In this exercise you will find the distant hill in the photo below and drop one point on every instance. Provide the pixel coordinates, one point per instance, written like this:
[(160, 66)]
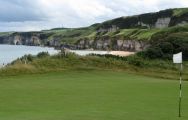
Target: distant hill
[(161, 19), (131, 33)]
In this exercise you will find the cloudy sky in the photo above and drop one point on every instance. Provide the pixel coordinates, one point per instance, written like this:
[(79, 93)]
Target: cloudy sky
[(30, 15)]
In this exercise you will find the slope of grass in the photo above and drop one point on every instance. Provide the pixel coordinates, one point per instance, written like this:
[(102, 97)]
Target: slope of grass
[(72, 36), (168, 31), (180, 11), (144, 34), (90, 95), (126, 32)]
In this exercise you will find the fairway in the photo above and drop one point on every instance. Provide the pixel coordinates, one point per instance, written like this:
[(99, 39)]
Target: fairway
[(92, 95)]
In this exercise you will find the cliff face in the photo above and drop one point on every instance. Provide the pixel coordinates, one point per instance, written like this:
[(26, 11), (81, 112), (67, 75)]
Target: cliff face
[(29, 38), (162, 22), (25, 39), (126, 45)]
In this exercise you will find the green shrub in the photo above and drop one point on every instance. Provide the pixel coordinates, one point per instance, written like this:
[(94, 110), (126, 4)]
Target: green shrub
[(43, 54), (166, 47), (30, 57), (154, 52), (136, 61)]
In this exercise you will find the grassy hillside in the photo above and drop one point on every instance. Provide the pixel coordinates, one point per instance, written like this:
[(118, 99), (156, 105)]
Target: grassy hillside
[(166, 41), (180, 11), (127, 28), (72, 36)]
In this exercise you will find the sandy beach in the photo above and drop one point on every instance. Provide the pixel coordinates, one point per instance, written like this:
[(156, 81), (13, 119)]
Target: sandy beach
[(117, 53), (121, 53)]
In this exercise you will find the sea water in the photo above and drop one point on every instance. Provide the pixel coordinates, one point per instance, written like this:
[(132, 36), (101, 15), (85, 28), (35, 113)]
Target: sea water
[(9, 53)]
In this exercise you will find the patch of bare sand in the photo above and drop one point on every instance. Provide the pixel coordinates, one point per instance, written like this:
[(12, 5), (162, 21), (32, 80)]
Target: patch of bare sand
[(121, 53)]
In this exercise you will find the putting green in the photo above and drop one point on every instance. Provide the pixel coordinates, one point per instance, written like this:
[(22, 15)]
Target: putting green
[(90, 95)]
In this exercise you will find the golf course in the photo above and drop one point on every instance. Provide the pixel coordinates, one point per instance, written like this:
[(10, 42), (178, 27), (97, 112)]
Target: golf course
[(93, 60), (90, 95)]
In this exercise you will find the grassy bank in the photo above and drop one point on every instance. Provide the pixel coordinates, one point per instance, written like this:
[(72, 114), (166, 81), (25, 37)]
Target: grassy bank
[(132, 64)]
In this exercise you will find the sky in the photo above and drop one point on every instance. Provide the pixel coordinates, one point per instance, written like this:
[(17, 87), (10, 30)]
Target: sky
[(35, 15)]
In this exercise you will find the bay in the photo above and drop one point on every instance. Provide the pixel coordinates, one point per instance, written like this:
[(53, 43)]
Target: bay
[(9, 53)]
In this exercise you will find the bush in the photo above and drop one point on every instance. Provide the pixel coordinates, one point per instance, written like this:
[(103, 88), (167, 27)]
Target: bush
[(141, 54), (24, 59), (29, 58), (154, 53), (168, 42), (166, 47), (43, 54), (136, 61)]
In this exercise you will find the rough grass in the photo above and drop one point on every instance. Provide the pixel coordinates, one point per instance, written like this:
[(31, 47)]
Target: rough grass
[(90, 95), (133, 64)]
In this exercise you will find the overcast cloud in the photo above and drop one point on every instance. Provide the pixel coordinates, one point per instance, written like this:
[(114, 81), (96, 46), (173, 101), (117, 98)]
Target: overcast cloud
[(31, 15)]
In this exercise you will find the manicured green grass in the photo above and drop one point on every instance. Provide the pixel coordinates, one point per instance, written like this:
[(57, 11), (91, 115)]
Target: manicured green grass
[(90, 95)]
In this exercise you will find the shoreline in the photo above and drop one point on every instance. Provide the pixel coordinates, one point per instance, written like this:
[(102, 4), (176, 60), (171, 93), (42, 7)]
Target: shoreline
[(78, 52)]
